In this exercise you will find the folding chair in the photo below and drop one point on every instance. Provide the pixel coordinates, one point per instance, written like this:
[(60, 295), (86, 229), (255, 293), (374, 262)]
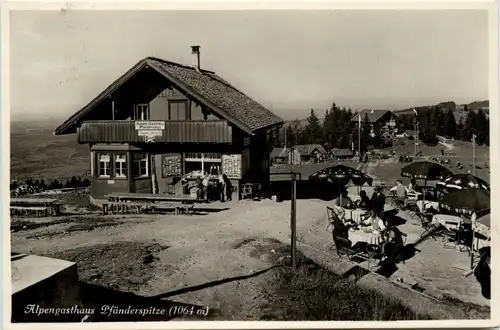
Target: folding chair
[(344, 247)]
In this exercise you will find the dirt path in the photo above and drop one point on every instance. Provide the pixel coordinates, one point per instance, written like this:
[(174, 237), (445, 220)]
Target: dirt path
[(200, 249)]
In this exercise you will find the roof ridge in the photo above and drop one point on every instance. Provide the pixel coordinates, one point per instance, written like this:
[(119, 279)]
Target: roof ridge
[(176, 64)]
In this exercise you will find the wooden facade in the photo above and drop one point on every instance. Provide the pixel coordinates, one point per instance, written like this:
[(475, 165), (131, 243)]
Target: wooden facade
[(124, 131), (161, 120)]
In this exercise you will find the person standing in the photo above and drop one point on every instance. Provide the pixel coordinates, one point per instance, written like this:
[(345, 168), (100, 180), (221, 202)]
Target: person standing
[(205, 188), (221, 187), (229, 187), (378, 200), (401, 192)]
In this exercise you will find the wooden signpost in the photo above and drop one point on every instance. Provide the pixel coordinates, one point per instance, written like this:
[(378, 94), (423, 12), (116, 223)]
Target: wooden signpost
[(293, 214)]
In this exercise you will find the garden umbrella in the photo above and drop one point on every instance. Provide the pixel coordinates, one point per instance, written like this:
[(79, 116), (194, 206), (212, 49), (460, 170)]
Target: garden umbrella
[(427, 171), (463, 181), (466, 201), (341, 175), (482, 223)]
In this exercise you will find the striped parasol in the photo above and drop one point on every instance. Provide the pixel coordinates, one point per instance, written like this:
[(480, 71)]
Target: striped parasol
[(462, 181), (342, 174)]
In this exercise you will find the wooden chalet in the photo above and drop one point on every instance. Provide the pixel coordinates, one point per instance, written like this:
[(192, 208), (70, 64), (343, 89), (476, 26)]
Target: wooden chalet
[(162, 120), (337, 153), (387, 120), (304, 153)]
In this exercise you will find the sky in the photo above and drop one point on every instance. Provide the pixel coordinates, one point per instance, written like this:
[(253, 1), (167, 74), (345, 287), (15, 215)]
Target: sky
[(289, 61)]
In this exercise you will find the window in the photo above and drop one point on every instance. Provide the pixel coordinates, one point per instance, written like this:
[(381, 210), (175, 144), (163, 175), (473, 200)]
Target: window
[(104, 165), (177, 110), (141, 112), (121, 165), (202, 161), (140, 164)]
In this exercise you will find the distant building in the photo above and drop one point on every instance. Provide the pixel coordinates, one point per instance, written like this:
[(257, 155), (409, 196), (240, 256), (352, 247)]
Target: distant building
[(337, 153), (279, 156), (309, 153), (407, 134), (386, 119)]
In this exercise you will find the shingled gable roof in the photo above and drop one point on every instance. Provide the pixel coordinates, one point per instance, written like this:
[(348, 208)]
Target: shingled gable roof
[(372, 117), (204, 86), (307, 149)]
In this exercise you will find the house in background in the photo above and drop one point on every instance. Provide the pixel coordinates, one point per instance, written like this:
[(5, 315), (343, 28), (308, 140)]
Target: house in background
[(279, 156), (337, 153), (162, 120), (385, 119), (307, 153)]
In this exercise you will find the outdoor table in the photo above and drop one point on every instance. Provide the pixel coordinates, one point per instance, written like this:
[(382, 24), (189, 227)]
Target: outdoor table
[(443, 218), (50, 203), (355, 215)]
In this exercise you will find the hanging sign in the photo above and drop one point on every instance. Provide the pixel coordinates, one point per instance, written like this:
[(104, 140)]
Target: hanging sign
[(149, 133), (149, 125)]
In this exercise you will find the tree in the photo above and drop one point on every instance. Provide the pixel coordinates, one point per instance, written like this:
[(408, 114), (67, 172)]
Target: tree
[(67, 184), (312, 130), (469, 126), (328, 129), (450, 125), (42, 184), (86, 182), (482, 127)]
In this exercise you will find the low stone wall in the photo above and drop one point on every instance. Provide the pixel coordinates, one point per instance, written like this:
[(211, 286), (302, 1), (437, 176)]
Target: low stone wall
[(41, 287)]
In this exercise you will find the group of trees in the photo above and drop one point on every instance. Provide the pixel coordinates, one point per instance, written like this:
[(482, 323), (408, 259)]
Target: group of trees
[(74, 182), (339, 131), (434, 121)]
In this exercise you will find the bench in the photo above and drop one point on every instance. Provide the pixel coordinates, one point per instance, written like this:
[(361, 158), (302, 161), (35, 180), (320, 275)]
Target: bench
[(38, 210), (124, 207), (181, 209)]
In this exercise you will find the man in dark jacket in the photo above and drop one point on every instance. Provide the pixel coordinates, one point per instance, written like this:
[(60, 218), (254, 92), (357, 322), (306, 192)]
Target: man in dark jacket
[(378, 201)]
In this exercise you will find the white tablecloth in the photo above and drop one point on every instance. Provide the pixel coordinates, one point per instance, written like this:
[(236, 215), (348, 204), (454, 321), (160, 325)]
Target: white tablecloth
[(454, 221), (355, 215), (428, 205)]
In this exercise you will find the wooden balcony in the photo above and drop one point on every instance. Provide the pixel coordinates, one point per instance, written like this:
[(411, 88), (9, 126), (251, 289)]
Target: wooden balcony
[(129, 131)]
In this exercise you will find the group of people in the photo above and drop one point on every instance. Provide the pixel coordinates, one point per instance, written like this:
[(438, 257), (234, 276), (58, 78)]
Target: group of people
[(376, 202), (384, 233), (219, 188)]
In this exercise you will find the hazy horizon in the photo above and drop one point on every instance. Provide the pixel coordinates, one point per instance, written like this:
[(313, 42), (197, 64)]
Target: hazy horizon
[(359, 59)]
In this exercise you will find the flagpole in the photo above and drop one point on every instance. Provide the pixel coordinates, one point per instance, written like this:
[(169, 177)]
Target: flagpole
[(474, 154)]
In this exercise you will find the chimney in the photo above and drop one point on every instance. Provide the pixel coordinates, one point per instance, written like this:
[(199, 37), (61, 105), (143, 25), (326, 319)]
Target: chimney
[(195, 54)]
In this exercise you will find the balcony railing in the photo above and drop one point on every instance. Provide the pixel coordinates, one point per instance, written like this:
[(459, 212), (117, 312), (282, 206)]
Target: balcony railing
[(129, 131)]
